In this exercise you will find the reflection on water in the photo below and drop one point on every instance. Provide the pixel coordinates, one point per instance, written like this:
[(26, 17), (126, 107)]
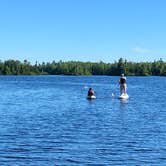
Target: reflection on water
[(124, 101)]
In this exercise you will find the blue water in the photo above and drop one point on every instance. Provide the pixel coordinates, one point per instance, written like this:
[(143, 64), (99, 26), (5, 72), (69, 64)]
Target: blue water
[(47, 120)]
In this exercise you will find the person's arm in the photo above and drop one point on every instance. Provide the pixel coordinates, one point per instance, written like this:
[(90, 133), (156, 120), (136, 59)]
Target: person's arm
[(119, 81)]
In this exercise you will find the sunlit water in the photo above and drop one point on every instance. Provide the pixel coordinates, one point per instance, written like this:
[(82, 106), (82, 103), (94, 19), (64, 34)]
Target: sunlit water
[(47, 120)]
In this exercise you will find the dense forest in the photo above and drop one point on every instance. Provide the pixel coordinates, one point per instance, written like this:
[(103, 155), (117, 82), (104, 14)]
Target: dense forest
[(15, 67)]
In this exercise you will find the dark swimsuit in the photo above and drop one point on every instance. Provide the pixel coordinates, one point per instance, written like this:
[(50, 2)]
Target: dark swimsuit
[(122, 80), (90, 93)]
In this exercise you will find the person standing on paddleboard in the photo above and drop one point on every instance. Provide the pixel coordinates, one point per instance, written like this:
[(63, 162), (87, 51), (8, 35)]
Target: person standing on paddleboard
[(123, 85)]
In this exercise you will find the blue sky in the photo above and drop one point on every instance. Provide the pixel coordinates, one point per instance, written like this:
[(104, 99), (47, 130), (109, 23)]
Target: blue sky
[(84, 30)]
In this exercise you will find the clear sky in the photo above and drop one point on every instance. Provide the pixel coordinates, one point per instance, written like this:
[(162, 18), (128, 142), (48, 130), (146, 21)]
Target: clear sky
[(84, 30)]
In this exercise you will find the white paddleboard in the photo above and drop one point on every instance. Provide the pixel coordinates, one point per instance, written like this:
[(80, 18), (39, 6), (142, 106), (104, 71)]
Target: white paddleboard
[(124, 96), (91, 97)]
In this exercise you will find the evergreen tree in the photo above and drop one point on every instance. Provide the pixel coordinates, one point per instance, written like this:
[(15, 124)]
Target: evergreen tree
[(15, 67)]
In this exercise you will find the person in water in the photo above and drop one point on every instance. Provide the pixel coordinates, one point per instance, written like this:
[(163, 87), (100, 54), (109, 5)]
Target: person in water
[(123, 85), (91, 92)]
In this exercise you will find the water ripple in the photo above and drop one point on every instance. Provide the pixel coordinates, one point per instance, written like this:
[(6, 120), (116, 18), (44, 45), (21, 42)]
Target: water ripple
[(48, 121)]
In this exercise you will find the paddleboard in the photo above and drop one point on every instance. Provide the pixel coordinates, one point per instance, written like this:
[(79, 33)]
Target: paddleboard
[(124, 96), (91, 97)]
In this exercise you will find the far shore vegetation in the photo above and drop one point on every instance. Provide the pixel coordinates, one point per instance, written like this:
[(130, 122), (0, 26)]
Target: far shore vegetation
[(16, 67)]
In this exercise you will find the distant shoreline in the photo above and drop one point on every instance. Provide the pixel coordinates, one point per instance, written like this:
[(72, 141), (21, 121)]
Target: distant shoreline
[(78, 68)]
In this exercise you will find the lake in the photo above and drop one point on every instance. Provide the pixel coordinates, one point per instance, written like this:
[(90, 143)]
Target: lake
[(47, 121)]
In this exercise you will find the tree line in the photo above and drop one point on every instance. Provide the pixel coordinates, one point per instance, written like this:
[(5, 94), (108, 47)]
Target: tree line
[(16, 67)]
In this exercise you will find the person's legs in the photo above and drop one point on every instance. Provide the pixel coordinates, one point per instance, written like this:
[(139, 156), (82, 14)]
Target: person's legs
[(125, 88), (121, 89)]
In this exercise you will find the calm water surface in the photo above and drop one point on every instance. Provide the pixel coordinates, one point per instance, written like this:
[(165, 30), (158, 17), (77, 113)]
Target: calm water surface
[(47, 120)]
